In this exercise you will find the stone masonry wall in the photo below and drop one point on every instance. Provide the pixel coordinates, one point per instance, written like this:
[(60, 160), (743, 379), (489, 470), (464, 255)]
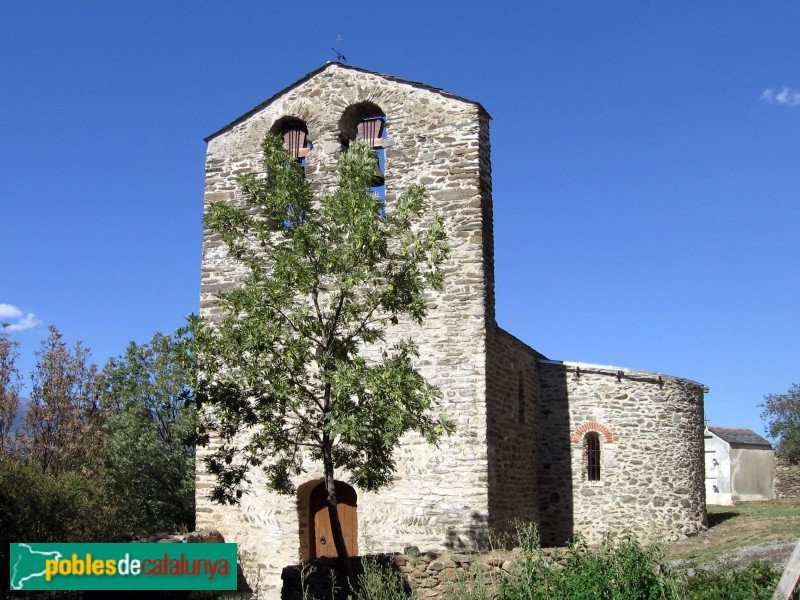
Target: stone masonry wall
[(430, 574), (787, 477), (439, 496), (554, 468), (652, 457), (512, 390)]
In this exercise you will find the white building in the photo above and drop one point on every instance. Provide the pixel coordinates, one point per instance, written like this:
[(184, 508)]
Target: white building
[(739, 466)]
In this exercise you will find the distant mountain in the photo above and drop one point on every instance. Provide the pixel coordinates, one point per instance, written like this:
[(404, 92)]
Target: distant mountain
[(22, 410)]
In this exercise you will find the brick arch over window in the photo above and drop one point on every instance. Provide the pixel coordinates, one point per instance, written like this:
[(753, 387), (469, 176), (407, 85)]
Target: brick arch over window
[(599, 428)]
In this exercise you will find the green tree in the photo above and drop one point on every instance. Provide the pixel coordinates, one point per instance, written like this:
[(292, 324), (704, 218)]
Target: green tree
[(9, 388), (782, 416), (281, 371), (149, 449), (61, 431)]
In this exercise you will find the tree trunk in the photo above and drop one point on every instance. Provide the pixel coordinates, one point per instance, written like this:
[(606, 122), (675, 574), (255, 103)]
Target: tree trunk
[(336, 526)]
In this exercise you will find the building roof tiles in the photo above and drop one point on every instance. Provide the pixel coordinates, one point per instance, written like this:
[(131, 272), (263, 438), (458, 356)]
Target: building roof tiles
[(739, 435)]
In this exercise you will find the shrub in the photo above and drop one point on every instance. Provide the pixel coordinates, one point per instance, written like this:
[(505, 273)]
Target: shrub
[(381, 582), (754, 582), (42, 507), (617, 570)]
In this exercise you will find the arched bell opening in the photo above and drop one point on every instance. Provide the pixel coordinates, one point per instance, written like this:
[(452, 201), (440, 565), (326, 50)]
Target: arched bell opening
[(367, 121), (294, 133)]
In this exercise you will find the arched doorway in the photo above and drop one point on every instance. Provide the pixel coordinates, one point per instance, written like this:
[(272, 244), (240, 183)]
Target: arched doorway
[(319, 523)]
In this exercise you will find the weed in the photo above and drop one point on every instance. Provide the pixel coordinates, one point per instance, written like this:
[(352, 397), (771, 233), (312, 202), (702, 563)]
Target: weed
[(526, 536), (754, 582), (469, 586), (381, 582), (616, 571), (305, 572)]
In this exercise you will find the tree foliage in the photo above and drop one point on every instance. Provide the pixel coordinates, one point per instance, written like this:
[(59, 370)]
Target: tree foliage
[(782, 416), (100, 459), (44, 507), (297, 367), (9, 389), (149, 449), (61, 430)]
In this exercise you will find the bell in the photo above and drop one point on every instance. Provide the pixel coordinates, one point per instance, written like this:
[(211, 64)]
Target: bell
[(294, 139), (370, 130), (377, 177)]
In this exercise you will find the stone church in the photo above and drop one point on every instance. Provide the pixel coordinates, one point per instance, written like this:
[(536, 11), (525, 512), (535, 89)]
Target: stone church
[(575, 448)]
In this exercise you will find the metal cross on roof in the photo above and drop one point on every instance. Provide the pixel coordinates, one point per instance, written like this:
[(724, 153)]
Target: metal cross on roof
[(339, 56)]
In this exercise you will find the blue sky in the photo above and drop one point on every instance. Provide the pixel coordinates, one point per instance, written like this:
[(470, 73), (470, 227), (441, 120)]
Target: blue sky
[(646, 165)]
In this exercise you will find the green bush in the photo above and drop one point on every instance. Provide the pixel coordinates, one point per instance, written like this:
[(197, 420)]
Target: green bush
[(754, 582), (41, 507), (615, 571)]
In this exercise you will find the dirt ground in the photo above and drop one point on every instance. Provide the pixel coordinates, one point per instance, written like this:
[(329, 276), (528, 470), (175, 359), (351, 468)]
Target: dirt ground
[(743, 533)]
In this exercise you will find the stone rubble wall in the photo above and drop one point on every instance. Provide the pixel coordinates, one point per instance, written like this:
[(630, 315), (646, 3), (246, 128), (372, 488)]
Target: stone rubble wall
[(431, 574), (512, 413), (787, 477), (652, 454), (439, 494)]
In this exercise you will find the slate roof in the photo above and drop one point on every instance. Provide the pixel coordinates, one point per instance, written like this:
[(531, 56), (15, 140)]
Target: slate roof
[(737, 435), (329, 64)]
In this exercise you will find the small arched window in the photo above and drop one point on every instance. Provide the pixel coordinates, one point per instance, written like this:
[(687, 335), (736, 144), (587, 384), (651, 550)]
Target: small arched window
[(591, 449)]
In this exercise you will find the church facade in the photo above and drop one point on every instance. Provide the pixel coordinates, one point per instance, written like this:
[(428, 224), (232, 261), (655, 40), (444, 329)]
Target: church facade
[(575, 448)]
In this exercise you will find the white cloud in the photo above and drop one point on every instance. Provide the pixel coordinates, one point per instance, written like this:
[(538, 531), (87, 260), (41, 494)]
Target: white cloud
[(16, 319), (785, 96), (26, 322), (9, 312)]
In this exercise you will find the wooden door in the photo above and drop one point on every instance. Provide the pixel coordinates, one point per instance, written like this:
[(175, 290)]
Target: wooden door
[(321, 542)]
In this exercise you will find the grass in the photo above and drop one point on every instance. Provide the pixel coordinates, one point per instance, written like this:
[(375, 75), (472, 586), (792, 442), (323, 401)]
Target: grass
[(746, 524)]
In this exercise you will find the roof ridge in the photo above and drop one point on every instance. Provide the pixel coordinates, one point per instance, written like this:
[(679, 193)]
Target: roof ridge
[(738, 435), (328, 65)]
